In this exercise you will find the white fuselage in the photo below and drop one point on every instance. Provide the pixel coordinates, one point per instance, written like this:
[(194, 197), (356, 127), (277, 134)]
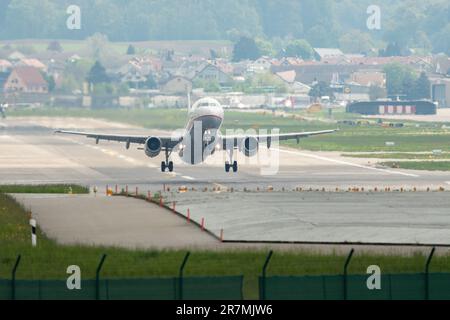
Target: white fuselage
[(202, 132)]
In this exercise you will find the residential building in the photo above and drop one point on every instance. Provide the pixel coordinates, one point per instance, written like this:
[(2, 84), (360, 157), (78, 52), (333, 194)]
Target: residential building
[(321, 54), (214, 72), (177, 85), (26, 80)]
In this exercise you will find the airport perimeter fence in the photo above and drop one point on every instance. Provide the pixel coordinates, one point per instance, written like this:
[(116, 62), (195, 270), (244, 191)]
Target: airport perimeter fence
[(192, 288), (418, 286), (354, 287), (170, 288)]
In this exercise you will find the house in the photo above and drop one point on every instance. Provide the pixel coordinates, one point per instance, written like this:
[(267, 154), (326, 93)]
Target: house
[(440, 90), (213, 72), (26, 80), (16, 56), (288, 62), (261, 65), (289, 77), (5, 66), (326, 53), (369, 78), (177, 85), (441, 64), (133, 74), (35, 63)]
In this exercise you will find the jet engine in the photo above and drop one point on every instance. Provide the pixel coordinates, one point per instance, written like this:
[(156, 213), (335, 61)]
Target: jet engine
[(153, 147), (249, 146)]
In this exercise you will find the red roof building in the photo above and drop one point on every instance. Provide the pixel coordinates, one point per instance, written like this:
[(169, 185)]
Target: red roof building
[(26, 80)]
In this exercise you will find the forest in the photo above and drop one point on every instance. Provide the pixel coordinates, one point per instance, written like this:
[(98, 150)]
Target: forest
[(405, 24)]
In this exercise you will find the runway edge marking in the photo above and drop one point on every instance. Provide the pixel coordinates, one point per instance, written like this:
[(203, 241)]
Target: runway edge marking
[(349, 163)]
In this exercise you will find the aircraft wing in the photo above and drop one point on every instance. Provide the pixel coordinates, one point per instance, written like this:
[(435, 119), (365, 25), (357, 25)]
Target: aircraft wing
[(167, 142), (228, 140)]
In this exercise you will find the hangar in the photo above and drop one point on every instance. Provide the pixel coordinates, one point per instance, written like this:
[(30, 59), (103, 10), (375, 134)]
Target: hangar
[(393, 108)]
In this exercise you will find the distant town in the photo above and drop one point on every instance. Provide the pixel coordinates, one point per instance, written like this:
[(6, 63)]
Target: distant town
[(97, 73)]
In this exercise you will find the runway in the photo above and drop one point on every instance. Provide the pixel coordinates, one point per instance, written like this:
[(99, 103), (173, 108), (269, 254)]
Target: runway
[(32, 154)]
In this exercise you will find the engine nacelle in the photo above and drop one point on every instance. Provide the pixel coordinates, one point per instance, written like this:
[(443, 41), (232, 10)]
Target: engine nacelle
[(249, 146), (153, 147)]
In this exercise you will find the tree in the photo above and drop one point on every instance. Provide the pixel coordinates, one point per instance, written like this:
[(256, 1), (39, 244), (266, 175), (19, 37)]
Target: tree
[(393, 49), (356, 41), (55, 46), (422, 88), (376, 92), (50, 81), (265, 47), (131, 50), (97, 74), (246, 49), (98, 46), (400, 79), (299, 48), (321, 89)]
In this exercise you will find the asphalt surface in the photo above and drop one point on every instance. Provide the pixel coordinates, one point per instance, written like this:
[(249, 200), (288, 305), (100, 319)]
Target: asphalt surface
[(31, 153)]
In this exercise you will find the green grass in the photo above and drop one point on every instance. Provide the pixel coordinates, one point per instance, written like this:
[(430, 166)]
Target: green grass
[(45, 189), (50, 260), (420, 165), (414, 137), (401, 156)]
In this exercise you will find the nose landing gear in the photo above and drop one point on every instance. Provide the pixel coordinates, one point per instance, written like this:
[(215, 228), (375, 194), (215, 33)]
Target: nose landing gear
[(167, 166)]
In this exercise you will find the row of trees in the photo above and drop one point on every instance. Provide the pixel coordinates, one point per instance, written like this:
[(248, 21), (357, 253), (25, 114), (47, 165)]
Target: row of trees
[(327, 23), (404, 82), (250, 49)]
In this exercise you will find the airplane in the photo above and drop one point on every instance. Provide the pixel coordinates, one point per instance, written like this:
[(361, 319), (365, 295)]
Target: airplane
[(205, 119)]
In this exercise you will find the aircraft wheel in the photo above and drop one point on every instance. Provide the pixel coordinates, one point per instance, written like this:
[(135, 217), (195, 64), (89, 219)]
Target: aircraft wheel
[(163, 167), (170, 166), (227, 167), (235, 167)]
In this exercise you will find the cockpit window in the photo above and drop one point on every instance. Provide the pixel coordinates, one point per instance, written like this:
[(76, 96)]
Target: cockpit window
[(206, 103)]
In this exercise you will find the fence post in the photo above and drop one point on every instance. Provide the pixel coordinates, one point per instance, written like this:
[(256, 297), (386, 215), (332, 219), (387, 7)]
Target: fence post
[(347, 262), (180, 278), (97, 277), (427, 272), (264, 272), (13, 277)]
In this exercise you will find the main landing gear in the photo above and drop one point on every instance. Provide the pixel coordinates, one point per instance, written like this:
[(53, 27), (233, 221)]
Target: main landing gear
[(167, 165), (231, 164)]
